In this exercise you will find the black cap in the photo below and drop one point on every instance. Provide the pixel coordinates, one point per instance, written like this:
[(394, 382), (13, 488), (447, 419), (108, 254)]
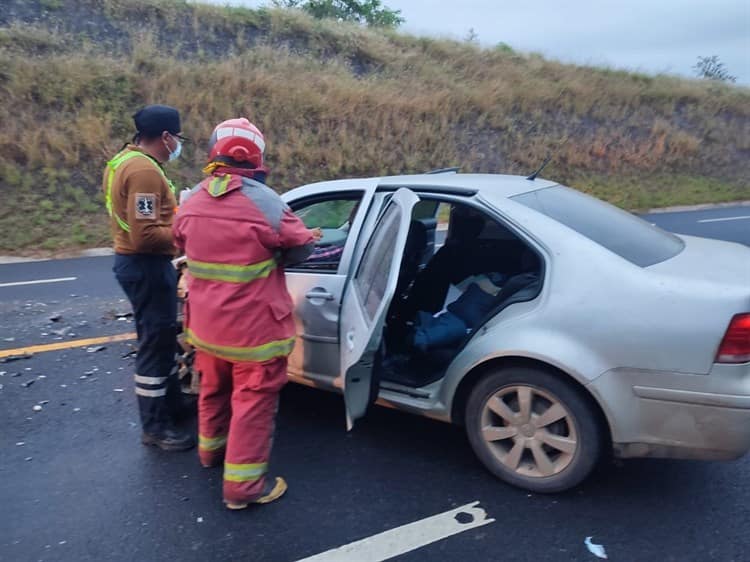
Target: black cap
[(152, 120)]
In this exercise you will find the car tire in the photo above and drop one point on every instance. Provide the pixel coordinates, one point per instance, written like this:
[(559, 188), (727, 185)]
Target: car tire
[(537, 422)]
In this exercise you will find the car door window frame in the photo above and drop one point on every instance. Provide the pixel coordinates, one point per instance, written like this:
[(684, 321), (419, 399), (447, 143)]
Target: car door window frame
[(352, 235)]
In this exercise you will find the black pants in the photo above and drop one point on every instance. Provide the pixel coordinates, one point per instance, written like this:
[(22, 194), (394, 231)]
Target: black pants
[(150, 283)]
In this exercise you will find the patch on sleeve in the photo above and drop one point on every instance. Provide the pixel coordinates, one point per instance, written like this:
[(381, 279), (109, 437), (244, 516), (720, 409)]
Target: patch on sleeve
[(145, 206)]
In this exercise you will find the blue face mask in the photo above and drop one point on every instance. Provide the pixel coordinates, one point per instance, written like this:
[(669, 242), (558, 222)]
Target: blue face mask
[(175, 154)]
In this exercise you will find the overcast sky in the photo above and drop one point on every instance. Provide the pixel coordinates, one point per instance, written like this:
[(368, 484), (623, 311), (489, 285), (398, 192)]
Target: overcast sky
[(648, 35)]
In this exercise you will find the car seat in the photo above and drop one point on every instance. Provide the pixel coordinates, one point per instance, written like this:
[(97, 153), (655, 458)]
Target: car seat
[(416, 244)]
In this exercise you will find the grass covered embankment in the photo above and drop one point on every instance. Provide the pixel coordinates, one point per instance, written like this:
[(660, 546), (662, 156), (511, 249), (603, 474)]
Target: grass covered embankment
[(334, 100)]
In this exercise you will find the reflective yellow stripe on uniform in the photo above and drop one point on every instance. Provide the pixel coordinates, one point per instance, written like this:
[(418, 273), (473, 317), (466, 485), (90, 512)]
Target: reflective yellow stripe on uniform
[(113, 165), (218, 185), (211, 443), (231, 273), (258, 354), (244, 472)]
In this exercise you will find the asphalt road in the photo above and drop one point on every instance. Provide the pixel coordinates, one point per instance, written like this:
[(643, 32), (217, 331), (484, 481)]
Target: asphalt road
[(75, 483)]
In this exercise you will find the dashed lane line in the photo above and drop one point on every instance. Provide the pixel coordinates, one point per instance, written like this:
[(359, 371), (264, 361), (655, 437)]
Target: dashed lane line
[(30, 350), (38, 281), (739, 218), (408, 537)]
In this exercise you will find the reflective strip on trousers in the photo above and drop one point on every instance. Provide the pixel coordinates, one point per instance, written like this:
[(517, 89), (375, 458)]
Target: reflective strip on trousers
[(212, 443), (140, 379), (113, 165), (244, 472), (155, 393), (257, 354), (231, 273)]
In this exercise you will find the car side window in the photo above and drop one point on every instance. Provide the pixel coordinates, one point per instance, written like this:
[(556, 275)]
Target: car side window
[(372, 276), (334, 218)]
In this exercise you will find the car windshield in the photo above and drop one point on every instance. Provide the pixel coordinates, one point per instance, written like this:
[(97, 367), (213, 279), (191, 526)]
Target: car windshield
[(620, 232)]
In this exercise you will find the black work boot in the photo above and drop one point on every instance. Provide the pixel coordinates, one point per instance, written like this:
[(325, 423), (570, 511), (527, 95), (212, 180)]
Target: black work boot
[(169, 439)]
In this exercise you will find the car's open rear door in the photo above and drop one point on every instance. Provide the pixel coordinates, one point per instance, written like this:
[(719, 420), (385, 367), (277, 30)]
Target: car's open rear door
[(367, 296)]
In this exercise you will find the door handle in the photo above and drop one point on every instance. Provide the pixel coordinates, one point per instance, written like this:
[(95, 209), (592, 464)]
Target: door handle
[(323, 295)]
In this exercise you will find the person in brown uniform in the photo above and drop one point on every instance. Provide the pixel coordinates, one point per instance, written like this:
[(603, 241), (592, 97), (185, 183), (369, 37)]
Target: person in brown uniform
[(141, 202)]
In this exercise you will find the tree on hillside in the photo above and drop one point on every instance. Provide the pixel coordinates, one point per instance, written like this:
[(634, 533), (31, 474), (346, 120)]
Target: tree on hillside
[(369, 12), (711, 68), (472, 36)]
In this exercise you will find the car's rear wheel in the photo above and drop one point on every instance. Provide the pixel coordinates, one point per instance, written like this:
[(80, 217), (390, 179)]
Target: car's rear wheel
[(533, 429)]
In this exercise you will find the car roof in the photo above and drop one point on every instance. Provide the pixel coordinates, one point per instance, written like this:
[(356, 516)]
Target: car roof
[(468, 184)]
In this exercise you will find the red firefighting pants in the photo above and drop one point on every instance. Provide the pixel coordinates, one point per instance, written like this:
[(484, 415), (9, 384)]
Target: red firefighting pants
[(236, 415)]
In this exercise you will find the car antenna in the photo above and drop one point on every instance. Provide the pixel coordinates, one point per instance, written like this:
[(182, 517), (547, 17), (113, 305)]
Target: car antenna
[(444, 171), (538, 171)]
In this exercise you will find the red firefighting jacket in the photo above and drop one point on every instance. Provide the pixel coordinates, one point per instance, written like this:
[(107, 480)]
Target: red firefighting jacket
[(237, 235)]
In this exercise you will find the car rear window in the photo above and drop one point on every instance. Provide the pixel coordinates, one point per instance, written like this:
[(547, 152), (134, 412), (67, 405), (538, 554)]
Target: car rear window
[(619, 231)]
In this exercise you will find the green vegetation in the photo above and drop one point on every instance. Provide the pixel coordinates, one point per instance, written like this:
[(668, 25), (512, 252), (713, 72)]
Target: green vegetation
[(334, 100), (370, 12)]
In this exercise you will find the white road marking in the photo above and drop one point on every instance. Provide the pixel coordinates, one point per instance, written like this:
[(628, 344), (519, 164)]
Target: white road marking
[(38, 281), (408, 537), (740, 218)]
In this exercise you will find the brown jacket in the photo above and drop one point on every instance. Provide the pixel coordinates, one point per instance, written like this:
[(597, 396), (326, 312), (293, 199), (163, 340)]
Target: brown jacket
[(142, 198)]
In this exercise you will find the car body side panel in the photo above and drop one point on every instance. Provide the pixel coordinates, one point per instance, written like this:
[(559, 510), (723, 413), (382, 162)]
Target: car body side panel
[(316, 355), (675, 415), (316, 350)]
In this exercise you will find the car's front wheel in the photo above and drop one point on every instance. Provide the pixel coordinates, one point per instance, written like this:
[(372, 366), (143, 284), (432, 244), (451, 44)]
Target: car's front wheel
[(533, 429)]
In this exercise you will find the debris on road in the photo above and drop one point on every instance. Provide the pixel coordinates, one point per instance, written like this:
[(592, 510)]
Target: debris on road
[(37, 408), (16, 375), (27, 459), (200, 520), (1, 386), (28, 383), (62, 331), (119, 389), (595, 549), (20, 443), (15, 358), (55, 318), (95, 349), (9, 339), (43, 402), (76, 409)]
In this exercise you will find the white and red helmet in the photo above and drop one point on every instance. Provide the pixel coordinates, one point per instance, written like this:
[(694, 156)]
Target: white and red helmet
[(239, 140)]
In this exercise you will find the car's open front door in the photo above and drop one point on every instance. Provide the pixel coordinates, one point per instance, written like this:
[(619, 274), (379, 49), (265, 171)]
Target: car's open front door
[(367, 296)]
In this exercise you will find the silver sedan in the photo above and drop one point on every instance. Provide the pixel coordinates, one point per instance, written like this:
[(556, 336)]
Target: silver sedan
[(555, 327)]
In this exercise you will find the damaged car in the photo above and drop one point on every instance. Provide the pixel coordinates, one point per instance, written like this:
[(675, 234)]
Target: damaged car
[(554, 327)]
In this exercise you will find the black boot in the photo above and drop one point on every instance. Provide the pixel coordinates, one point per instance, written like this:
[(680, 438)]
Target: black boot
[(169, 439)]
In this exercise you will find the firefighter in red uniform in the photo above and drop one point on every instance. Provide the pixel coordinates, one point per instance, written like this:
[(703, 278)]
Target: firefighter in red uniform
[(237, 235)]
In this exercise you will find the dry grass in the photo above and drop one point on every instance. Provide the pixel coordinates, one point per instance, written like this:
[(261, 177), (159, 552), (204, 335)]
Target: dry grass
[(336, 100)]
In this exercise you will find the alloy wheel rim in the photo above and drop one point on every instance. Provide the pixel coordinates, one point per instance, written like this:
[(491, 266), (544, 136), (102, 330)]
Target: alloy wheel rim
[(529, 430)]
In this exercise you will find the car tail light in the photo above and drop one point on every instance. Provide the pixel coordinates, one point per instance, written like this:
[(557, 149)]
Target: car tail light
[(735, 347)]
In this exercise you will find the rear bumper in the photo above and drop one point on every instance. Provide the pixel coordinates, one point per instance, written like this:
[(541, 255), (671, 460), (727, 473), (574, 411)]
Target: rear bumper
[(672, 415)]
